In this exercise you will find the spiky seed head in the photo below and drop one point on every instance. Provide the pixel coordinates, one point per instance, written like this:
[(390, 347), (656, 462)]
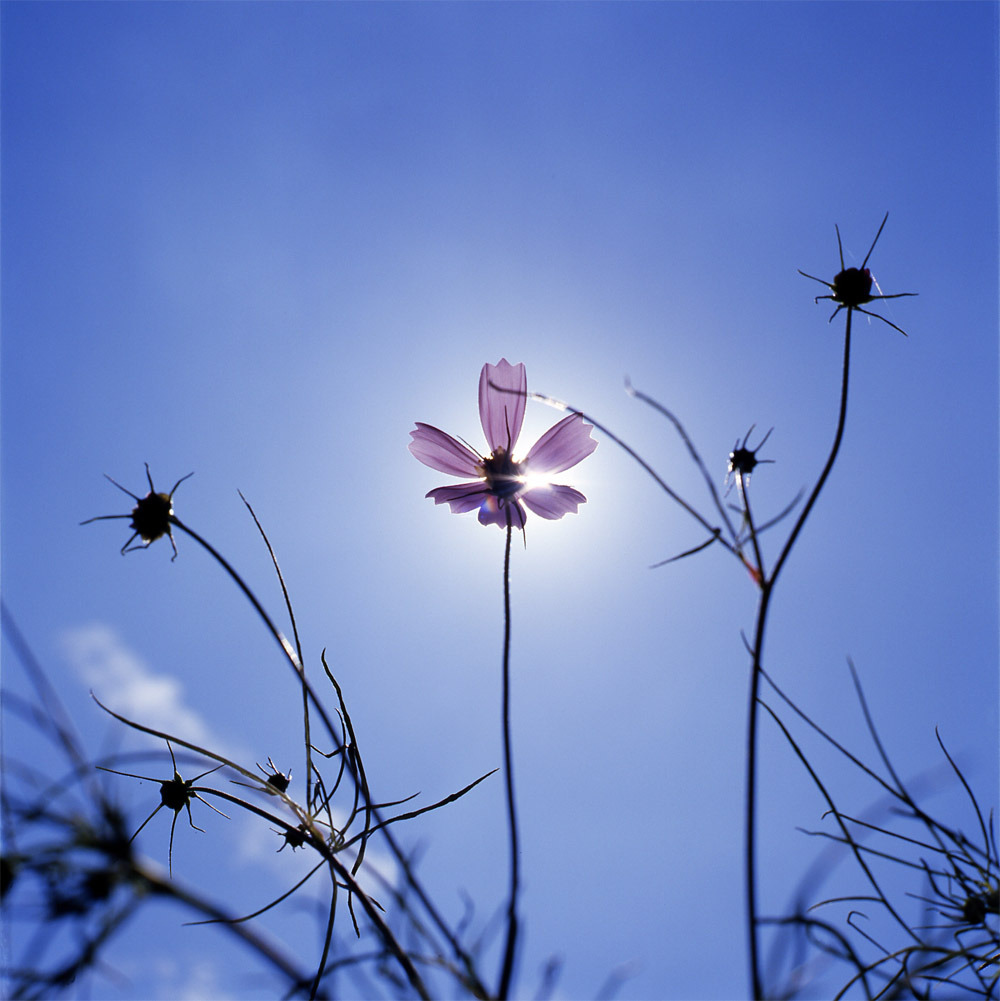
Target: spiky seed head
[(852, 287), (742, 460), (151, 516), (174, 793), (295, 837), (279, 781)]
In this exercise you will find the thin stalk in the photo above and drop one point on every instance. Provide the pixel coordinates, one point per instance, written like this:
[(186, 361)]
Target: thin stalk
[(253, 939), (663, 485), (296, 665), (344, 874), (841, 422), (692, 451), (766, 590), (742, 482), (307, 738), (286, 648), (508, 958)]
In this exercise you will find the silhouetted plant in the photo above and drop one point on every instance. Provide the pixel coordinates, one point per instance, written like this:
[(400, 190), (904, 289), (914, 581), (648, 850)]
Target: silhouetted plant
[(69, 852), (955, 941), (850, 289), (69, 869), (311, 824), (503, 487)]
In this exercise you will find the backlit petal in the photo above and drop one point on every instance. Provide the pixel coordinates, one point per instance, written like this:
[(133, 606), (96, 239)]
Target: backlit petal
[(440, 451), (461, 497), (503, 389), (496, 512), (553, 501), (562, 446)]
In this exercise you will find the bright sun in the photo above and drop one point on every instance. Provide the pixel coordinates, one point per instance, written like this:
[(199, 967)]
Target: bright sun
[(533, 481)]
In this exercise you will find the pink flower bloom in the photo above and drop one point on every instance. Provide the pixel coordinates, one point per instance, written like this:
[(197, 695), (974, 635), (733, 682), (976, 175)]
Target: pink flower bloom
[(503, 483)]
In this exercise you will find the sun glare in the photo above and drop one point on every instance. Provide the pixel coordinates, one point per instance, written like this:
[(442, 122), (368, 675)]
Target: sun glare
[(534, 481)]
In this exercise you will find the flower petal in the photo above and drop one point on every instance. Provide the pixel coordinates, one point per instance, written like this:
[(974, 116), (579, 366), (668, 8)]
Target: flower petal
[(553, 501), (562, 446), (495, 511), (440, 451), (503, 389), (461, 497)]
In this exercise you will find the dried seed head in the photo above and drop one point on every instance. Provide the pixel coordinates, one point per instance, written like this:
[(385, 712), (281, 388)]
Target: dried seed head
[(974, 910), (852, 287), (743, 460), (274, 776), (175, 793), (294, 837), (151, 516)]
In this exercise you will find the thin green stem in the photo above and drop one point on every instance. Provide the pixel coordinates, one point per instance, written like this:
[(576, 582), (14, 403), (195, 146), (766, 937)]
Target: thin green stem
[(766, 590), (508, 959)]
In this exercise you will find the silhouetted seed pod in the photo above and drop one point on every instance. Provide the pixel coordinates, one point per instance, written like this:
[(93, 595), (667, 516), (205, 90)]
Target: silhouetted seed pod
[(274, 777), (742, 460), (852, 287), (974, 910), (151, 515), (294, 837)]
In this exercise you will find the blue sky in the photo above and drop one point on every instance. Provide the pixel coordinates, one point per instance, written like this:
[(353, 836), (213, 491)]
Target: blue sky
[(258, 242)]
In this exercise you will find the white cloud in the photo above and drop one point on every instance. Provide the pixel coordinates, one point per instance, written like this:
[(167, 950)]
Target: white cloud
[(124, 682), (192, 981)]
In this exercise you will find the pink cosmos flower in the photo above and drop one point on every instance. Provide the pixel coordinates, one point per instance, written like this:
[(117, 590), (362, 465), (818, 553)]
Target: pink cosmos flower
[(501, 482)]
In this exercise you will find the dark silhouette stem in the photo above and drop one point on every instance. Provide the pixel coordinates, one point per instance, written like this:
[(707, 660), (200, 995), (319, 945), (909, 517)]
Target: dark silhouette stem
[(296, 665), (286, 648), (766, 589), (841, 422), (509, 949)]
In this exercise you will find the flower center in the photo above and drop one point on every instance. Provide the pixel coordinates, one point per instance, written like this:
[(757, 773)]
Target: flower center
[(503, 475)]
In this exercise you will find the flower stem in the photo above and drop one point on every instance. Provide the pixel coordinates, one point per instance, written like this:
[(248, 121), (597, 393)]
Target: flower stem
[(508, 958), (766, 590), (295, 661), (286, 648)]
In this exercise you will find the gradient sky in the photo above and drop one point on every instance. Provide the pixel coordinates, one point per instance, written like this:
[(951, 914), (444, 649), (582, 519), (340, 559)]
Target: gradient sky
[(258, 242)]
